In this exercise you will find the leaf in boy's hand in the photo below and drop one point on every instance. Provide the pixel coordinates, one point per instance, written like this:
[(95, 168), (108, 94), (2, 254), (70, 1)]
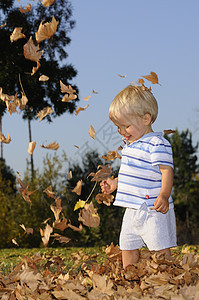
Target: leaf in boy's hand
[(89, 216), (31, 51), (153, 77), (103, 198), (46, 30), (92, 132), (78, 188), (79, 204)]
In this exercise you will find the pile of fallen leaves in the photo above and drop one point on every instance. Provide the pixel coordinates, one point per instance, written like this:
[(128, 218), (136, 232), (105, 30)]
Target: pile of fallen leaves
[(154, 277)]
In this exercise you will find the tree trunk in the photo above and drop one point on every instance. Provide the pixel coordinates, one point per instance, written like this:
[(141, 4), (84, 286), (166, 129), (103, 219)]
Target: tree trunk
[(31, 157), (1, 132)]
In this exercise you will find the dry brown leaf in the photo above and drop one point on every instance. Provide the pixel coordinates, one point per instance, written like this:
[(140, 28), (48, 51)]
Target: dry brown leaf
[(66, 88), (87, 98), (49, 192), (68, 97), (153, 77), (31, 51), (78, 188), (46, 30), (52, 146), (56, 211), (89, 216), (31, 147), (60, 239), (169, 131), (104, 198), (15, 242), (34, 69), (141, 81), (5, 140), (102, 174), (26, 9), (44, 112), (47, 3), (76, 146), (111, 155), (27, 230), (70, 175), (17, 34), (122, 76), (45, 234), (74, 228), (22, 102), (43, 78), (80, 109), (61, 224), (94, 92), (91, 132)]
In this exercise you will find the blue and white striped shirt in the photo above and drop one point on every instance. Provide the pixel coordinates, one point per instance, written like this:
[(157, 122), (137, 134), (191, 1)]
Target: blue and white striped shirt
[(139, 178)]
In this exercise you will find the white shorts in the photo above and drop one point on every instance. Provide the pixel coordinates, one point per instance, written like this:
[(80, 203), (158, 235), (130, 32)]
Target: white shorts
[(144, 227)]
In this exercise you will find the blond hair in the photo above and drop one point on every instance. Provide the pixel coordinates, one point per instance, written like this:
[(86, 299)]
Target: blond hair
[(133, 100)]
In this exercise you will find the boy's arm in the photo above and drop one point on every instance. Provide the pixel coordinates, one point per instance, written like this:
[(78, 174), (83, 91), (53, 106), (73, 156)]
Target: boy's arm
[(161, 204)]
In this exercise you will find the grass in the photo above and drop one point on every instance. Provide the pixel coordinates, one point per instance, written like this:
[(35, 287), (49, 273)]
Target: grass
[(72, 258)]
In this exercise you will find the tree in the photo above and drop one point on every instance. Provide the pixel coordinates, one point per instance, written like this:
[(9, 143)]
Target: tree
[(186, 186), (15, 70)]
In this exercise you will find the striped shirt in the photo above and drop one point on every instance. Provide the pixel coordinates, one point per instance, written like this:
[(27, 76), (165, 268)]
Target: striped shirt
[(139, 178)]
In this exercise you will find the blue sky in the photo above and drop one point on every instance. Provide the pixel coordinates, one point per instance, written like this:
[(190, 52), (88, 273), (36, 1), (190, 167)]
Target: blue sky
[(130, 38)]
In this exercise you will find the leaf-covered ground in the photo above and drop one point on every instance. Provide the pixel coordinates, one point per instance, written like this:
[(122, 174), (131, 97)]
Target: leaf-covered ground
[(97, 273)]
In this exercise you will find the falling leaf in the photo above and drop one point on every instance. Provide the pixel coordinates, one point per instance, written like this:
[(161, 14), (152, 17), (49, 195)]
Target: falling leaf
[(66, 88), (56, 211), (74, 228), (27, 230), (169, 131), (76, 146), (78, 188), (153, 77), (60, 239), (87, 98), (79, 204), (92, 132), (122, 76), (49, 192), (52, 146), (34, 69), (94, 92), (45, 234), (22, 102), (80, 109), (46, 30), (17, 34), (102, 174), (61, 224), (68, 97), (43, 78), (104, 198), (31, 51), (3, 25), (47, 3), (5, 140), (25, 10), (89, 216), (111, 155), (44, 112), (15, 242), (141, 81), (70, 175), (31, 147)]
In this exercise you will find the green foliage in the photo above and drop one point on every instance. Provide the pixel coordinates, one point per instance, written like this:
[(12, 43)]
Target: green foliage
[(186, 186)]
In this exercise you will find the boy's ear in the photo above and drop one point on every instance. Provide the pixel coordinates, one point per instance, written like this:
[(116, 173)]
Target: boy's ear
[(147, 119)]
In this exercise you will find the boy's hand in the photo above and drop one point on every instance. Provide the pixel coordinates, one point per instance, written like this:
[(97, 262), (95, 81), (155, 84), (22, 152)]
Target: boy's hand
[(161, 204), (109, 185)]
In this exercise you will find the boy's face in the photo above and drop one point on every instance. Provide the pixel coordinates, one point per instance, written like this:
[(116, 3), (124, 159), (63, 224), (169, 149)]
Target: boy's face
[(132, 127)]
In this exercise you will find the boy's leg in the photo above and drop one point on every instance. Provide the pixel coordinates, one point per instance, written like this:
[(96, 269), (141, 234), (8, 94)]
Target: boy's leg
[(130, 257)]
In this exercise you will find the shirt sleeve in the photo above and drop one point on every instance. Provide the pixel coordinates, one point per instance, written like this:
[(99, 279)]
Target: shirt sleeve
[(161, 153)]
